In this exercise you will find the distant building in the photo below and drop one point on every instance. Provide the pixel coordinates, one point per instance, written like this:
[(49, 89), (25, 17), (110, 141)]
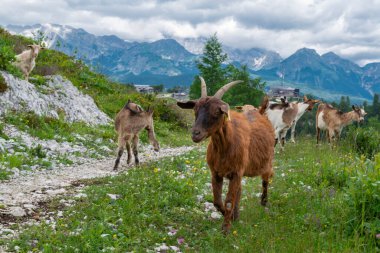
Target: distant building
[(275, 92), (180, 96), (144, 88)]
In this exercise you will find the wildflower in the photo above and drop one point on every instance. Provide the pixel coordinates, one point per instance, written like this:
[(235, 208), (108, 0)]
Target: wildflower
[(172, 232), (180, 240), (235, 232), (187, 162), (156, 170)]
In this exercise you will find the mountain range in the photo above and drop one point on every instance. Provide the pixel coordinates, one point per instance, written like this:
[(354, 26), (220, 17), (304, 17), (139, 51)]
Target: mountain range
[(173, 62)]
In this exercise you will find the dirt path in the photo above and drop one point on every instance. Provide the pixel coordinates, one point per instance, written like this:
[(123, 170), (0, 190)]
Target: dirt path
[(21, 196)]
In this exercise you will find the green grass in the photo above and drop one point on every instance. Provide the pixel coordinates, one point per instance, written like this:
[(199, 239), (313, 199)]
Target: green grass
[(320, 200), (100, 141)]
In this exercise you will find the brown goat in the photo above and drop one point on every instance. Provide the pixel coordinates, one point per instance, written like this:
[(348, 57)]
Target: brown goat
[(128, 124), (238, 147), (332, 120)]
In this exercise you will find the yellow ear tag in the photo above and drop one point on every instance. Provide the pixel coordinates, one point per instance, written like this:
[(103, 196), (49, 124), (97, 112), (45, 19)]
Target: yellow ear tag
[(228, 116)]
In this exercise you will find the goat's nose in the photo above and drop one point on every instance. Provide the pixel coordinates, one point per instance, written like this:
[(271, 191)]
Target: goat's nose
[(196, 132)]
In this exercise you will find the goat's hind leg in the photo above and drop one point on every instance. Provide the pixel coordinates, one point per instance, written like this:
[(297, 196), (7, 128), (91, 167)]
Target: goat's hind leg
[(121, 145), (265, 182)]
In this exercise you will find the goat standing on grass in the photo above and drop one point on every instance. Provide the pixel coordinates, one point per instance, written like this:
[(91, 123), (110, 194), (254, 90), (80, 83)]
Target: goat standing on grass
[(26, 61), (238, 147), (128, 124), (285, 115), (332, 120), (306, 105)]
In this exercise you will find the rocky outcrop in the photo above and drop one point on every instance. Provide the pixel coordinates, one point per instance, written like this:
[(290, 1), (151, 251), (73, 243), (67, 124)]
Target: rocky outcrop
[(58, 96)]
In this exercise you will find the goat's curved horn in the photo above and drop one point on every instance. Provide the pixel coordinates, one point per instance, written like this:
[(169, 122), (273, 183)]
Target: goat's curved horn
[(203, 87), (219, 94)]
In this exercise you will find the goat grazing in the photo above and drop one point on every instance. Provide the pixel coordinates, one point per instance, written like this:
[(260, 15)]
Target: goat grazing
[(332, 120), (26, 61), (238, 147), (128, 123)]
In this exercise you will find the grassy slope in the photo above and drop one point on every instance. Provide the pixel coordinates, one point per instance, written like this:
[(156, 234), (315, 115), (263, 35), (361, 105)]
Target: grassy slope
[(109, 96), (314, 207)]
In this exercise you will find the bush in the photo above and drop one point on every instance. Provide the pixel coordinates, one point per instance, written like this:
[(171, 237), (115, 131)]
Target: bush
[(363, 197), (365, 141), (3, 84), (7, 53)]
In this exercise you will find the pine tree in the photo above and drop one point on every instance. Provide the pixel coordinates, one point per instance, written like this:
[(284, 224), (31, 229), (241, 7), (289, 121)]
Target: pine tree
[(376, 106), (210, 68)]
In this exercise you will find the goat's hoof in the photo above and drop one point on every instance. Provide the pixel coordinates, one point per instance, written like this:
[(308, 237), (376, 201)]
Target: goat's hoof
[(226, 227), (264, 202), (114, 169)]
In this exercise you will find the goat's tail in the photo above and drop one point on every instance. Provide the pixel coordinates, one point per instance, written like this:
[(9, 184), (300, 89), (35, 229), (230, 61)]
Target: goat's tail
[(264, 105)]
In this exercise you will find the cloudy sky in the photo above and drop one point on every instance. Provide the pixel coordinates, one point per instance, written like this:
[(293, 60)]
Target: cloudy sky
[(350, 28)]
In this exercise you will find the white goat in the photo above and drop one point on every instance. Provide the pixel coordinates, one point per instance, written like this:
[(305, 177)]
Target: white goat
[(26, 61)]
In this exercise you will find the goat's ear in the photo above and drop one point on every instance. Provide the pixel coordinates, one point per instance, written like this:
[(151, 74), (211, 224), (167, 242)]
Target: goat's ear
[(31, 46), (150, 110), (187, 105), (225, 108), (305, 99), (355, 108)]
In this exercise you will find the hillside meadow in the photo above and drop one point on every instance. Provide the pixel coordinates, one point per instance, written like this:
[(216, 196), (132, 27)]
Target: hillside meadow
[(320, 200)]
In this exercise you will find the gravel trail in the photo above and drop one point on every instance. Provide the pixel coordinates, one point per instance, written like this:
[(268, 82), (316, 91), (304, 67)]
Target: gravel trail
[(22, 195)]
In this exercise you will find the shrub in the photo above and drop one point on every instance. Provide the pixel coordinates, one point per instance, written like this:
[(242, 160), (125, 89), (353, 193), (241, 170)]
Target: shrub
[(365, 141), (3, 84), (363, 197)]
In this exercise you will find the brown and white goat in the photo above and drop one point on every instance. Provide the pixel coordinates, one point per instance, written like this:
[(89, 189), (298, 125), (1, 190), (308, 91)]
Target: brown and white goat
[(306, 106), (238, 147), (26, 61), (128, 124), (285, 115), (333, 121)]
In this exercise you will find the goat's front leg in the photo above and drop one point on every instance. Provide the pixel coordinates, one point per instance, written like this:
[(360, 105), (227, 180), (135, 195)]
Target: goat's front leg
[(318, 134), (135, 141), (229, 207), (152, 138), (292, 139), (282, 136), (236, 213), (217, 187)]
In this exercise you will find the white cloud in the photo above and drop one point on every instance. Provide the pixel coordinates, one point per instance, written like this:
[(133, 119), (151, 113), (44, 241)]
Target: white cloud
[(350, 28)]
